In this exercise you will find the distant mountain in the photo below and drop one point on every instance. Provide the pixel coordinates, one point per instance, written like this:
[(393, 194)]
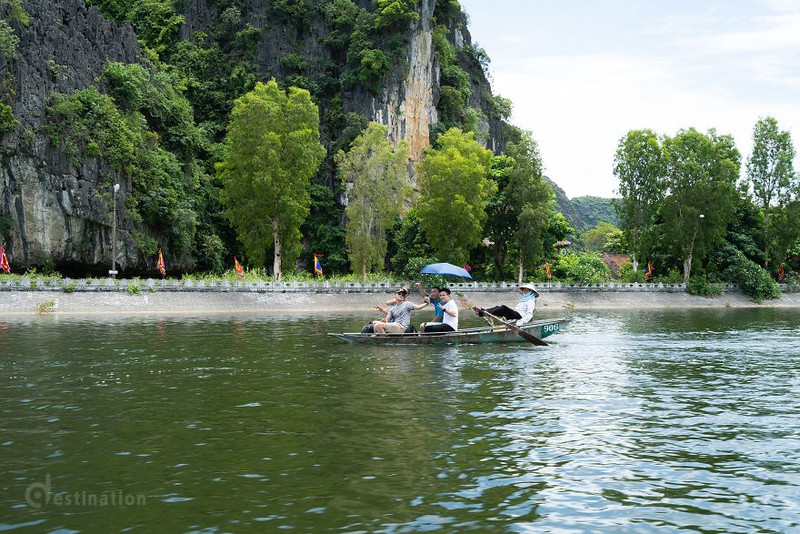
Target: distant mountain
[(565, 205), (583, 213), (593, 210)]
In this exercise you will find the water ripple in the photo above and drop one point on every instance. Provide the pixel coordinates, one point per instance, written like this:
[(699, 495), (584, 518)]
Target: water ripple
[(639, 421)]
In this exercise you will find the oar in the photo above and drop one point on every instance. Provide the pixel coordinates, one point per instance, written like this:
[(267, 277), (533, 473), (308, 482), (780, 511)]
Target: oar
[(524, 333), (467, 304)]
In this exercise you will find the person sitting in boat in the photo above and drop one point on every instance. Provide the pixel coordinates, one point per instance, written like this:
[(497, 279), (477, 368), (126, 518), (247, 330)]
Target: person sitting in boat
[(398, 319), (449, 314), (435, 299), (522, 312)]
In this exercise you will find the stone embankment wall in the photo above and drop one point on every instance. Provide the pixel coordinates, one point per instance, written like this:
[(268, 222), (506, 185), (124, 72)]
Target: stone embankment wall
[(267, 286), (109, 297)]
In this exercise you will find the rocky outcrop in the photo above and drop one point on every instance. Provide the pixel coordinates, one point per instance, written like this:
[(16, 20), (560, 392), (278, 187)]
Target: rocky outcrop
[(50, 210), (55, 211), (411, 111), (407, 101)]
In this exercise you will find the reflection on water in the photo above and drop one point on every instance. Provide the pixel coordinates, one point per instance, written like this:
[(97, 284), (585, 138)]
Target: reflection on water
[(634, 421)]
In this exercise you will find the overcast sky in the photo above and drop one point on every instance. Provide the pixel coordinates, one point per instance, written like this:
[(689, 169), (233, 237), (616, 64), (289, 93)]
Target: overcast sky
[(581, 74)]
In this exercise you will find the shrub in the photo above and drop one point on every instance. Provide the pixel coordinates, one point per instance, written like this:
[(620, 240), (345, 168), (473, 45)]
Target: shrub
[(700, 286), (7, 120), (8, 41), (753, 280), (374, 64), (793, 282), (628, 276), (45, 307), (293, 63), (582, 268)]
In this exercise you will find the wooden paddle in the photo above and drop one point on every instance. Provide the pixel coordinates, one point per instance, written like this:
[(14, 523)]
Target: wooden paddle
[(522, 333), (467, 304)]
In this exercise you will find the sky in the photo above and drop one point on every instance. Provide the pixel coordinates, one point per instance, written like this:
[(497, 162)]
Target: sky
[(581, 74)]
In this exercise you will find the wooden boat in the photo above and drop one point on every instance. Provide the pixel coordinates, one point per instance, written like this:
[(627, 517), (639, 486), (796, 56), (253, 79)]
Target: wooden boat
[(482, 334)]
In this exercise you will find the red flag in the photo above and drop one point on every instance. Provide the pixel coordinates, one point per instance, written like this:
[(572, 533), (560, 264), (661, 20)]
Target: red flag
[(547, 270), (3, 260), (317, 266), (648, 274), (160, 264), (238, 267), (781, 273), (467, 268)]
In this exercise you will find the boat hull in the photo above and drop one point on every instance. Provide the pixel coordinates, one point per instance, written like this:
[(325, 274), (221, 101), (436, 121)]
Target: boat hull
[(484, 334)]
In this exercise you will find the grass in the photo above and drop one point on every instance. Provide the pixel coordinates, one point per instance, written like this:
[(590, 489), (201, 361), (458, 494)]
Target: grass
[(45, 307)]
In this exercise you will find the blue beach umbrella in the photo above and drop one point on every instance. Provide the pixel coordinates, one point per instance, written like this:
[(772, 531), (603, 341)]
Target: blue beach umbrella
[(445, 269)]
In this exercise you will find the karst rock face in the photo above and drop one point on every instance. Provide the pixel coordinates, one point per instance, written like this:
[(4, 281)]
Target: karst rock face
[(51, 209), (60, 211)]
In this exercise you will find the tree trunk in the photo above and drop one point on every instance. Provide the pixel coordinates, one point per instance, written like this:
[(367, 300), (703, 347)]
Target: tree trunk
[(519, 280), (364, 271), (499, 260), (276, 262), (687, 268), (687, 261), (635, 264), (766, 237)]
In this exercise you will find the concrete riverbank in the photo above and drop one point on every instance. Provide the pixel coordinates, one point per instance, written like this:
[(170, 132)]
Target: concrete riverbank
[(193, 302)]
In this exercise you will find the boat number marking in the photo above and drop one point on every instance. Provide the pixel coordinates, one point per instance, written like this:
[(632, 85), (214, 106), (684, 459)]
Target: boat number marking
[(550, 328)]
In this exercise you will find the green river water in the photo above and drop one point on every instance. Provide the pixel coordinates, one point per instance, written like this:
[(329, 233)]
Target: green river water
[(634, 421)]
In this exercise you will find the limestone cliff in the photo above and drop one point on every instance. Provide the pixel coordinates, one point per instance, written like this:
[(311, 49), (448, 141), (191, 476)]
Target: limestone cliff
[(50, 210), (53, 211)]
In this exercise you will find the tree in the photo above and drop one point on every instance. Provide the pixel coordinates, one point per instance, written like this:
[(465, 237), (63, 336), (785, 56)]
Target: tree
[(376, 172), (558, 229), (602, 238), (454, 192), (640, 165), (409, 246), (272, 151), (770, 172), (529, 197), (501, 217), (701, 192)]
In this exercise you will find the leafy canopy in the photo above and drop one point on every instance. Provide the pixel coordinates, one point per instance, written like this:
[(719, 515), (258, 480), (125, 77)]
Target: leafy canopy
[(770, 173), (273, 150), (376, 172), (529, 197), (701, 192), (454, 193), (640, 164)]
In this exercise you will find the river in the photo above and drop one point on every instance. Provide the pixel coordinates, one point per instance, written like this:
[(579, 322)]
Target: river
[(635, 421)]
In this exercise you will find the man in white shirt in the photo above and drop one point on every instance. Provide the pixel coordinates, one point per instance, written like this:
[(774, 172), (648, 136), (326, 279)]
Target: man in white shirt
[(449, 314)]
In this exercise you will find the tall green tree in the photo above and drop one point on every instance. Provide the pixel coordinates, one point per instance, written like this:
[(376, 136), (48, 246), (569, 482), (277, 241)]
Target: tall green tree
[(502, 219), (640, 165), (272, 151), (701, 192), (376, 173), (770, 173), (454, 193), (529, 197)]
